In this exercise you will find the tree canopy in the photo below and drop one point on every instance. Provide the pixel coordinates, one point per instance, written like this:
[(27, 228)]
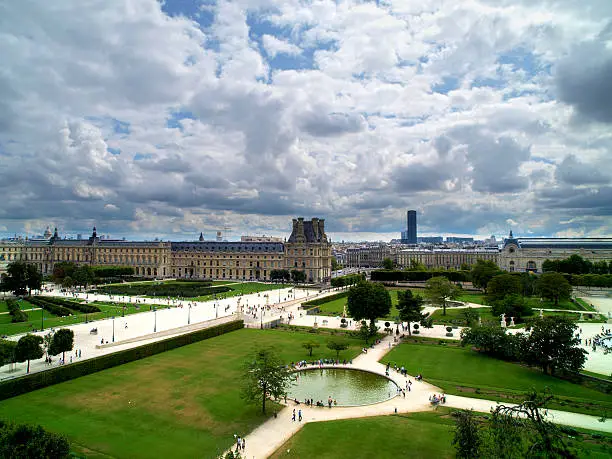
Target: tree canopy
[(502, 285), (368, 300), (21, 441), (337, 344), (21, 277), (553, 286), (62, 341), (482, 272), (512, 305), (29, 347), (388, 264), (265, 375), (552, 345), (409, 307), (439, 290), (7, 351)]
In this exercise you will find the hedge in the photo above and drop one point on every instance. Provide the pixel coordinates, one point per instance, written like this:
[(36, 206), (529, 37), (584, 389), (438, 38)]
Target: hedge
[(52, 308), (419, 276), (590, 280), (187, 290), (112, 271), (83, 307), (320, 301), (34, 381)]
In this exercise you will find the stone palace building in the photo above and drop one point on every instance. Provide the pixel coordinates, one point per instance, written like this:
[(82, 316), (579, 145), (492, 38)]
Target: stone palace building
[(307, 250)]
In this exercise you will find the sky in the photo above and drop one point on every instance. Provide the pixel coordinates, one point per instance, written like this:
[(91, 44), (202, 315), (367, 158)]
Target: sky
[(165, 119)]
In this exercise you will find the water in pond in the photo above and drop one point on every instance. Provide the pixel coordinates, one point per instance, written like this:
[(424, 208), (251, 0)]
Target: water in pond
[(347, 387)]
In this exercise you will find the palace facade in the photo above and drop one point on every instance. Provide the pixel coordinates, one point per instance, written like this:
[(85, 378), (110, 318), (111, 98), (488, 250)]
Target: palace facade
[(307, 250)]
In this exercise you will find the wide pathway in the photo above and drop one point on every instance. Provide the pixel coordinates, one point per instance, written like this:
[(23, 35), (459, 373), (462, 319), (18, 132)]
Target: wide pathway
[(270, 436)]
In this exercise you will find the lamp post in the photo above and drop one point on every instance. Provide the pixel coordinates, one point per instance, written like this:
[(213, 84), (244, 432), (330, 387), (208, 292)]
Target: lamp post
[(155, 323), (261, 319), (189, 315), (216, 310), (42, 315), (113, 329)]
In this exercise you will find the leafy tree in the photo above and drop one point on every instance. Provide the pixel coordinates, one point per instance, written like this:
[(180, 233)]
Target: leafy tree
[(7, 351), (467, 439), (28, 348), (502, 285), (512, 305), (337, 344), (364, 331), (482, 272), (470, 316), (439, 290), (493, 341), (600, 267), (309, 346), (388, 264), (335, 265), (553, 345), (298, 276), (368, 300), (62, 341), (16, 279), (416, 265), (83, 275), (61, 270), (265, 375), (575, 264), (67, 282), (34, 277), (550, 266), (464, 267), (553, 286), (409, 307), (25, 441)]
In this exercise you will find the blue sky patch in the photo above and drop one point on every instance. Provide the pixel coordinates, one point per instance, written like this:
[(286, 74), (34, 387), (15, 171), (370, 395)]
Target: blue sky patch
[(141, 156), (174, 120), (114, 151), (120, 127)]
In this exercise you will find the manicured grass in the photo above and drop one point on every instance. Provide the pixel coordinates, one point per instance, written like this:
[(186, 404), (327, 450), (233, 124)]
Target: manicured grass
[(420, 435), (23, 305), (415, 435), (461, 371), (586, 306), (336, 307), (472, 297), (181, 403), (246, 288)]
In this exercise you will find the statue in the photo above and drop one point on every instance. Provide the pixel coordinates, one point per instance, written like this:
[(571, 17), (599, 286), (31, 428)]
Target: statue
[(503, 320), (512, 321), (479, 321), (541, 313)]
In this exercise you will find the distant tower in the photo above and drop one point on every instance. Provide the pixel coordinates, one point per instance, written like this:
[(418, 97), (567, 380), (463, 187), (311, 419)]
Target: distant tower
[(201, 237), (411, 228), (219, 237)]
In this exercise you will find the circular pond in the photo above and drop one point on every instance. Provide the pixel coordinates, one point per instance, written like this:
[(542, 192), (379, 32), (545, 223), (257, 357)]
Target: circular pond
[(347, 387)]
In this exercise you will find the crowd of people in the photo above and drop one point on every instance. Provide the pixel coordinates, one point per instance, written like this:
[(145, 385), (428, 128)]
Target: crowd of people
[(603, 340)]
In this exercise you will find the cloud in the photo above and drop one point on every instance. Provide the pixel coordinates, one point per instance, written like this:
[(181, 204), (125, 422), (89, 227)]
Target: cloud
[(574, 172), (275, 46)]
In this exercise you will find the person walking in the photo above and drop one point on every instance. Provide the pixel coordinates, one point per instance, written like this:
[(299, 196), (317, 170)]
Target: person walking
[(293, 417), (243, 444), (300, 415)]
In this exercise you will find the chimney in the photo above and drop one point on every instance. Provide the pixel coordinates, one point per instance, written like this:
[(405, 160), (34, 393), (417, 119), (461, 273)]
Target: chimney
[(322, 228), (315, 228)]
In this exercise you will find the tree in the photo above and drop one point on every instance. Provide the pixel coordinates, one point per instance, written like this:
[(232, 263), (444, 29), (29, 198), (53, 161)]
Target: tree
[(33, 278), (364, 331), (409, 307), (550, 266), (439, 290), (67, 282), (265, 375), (388, 264), (61, 270), (298, 276), (502, 285), (28, 348), (7, 351), (334, 264), (83, 275), (470, 316), (493, 341), (553, 286), (368, 300), (62, 341), (512, 305), (600, 267), (553, 345), (482, 272), (337, 344), (20, 441), (467, 439), (21, 277), (310, 345)]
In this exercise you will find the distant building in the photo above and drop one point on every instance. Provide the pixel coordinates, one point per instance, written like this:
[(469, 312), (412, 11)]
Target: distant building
[(460, 240), (431, 239), (411, 229), (445, 258), (260, 239)]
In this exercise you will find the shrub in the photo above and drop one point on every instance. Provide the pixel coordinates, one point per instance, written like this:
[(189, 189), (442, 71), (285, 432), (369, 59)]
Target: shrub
[(34, 381), (82, 307), (418, 276), (19, 316), (51, 307), (449, 329), (320, 301), (416, 329), (187, 290)]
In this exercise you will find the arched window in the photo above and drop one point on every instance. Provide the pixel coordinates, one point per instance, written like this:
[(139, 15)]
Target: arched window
[(531, 266), (511, 266)]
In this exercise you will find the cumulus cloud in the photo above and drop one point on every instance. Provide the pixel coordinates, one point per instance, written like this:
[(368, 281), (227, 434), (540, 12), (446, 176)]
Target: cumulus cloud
[(149, 120)]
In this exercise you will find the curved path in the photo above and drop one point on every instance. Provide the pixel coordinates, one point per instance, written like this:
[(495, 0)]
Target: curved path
[(270, 436)]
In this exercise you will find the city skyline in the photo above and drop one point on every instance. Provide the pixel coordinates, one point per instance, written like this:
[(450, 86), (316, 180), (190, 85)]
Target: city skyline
[(164, 119)]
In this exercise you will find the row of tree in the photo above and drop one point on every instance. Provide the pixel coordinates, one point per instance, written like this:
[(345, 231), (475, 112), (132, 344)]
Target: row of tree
[(33, 347), (21, 278), (551, 345), (284, 275), (575, 264), (26, 441)]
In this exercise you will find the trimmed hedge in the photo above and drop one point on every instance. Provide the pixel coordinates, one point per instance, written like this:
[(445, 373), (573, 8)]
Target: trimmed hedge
[(186, 290), (83, 307), (17, 315), (419, 276), (349, 279), (60, 311), (320, 301), (112, 271), (34, 381)]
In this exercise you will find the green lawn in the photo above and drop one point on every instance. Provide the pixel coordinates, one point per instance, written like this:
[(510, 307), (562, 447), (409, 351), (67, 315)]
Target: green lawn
[(23, 305), (455, 316), (52, 321), (416, 435), (472, 297), (246, 288), (336, 307), (419, 435), (181, 403), (461, 371)]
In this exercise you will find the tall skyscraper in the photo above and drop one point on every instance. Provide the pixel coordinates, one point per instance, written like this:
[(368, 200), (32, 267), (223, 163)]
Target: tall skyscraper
[(411, 228)]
